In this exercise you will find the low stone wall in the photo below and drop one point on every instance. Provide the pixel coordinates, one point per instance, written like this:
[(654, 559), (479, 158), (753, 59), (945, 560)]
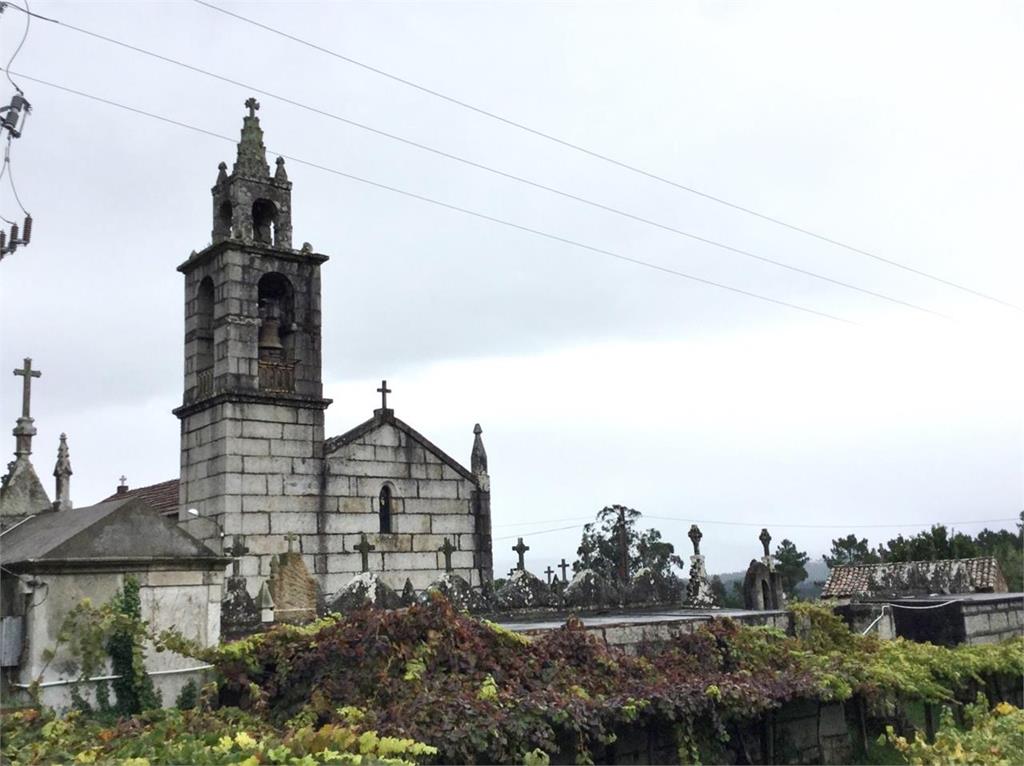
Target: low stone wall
[(801, 732), (630, 632), (987, 622)]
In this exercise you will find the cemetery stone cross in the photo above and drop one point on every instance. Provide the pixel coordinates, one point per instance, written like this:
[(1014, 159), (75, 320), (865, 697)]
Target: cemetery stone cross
[(521, 550), (563, 566), (364, 549), (695, 537), (236, 551), (765, 538), (511, 572), (549, 571), (447, 550), (27, 373), (252, 105)]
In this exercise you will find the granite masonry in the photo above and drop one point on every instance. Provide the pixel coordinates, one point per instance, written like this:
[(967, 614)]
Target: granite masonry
[(254, 461)]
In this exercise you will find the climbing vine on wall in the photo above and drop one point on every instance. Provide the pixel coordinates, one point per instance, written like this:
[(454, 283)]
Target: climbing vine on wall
[(479, 693)]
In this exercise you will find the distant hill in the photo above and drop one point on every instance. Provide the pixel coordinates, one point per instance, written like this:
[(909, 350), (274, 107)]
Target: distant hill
[(817, 571)]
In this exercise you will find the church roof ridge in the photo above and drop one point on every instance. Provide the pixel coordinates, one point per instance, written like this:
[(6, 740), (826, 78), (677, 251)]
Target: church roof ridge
[(387, 417)]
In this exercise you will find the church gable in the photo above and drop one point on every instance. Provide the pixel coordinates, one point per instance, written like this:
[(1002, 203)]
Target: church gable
[(408, 497)]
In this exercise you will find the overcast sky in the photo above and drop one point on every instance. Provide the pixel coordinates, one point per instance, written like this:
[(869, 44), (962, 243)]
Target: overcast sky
[(895, 128)]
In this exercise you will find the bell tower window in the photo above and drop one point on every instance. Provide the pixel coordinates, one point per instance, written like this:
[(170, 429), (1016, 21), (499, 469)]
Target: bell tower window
[(264, 221), (385, 510), (223, 222)]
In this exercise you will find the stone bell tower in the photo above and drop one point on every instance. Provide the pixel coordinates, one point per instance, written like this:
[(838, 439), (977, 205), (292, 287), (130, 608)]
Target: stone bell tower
[(252, 414)]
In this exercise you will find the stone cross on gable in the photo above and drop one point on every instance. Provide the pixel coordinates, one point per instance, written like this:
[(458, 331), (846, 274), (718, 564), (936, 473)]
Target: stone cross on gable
[(27, 373), (364, 549), (291, 537), (765, 539), (236, 551), (252, 105), (563, 566), (447, 550), (521, 550), (549, 571), (383, 391)]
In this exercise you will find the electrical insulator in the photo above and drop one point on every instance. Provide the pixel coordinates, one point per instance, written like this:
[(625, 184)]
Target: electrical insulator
[(3, 241), (14, 234), (27, 231)]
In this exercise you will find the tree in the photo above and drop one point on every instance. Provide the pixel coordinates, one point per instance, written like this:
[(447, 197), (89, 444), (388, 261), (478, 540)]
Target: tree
[(790, 566), (730, 598), (850, 550), (613, 532), (936, 543)]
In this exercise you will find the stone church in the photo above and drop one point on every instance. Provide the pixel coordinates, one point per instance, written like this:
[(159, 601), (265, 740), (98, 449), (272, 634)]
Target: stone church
[(254, 459)]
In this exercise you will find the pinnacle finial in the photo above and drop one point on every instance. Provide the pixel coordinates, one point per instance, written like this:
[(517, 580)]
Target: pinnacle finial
[(62, 473), (222, 172), (252, 154), (280, 174), (478, 458)]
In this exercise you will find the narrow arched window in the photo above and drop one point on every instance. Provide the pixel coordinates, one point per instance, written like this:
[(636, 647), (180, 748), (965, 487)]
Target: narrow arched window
[(385, 510), (203, 337)]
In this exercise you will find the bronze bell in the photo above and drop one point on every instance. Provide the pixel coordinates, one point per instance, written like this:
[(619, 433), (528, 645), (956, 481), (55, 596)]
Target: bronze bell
[(270, 338)]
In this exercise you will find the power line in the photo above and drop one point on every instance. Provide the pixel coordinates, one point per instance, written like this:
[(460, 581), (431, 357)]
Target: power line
[(610, 160), (456, 208), (28, 22), (773, 525), (828, 526), (495, 171)]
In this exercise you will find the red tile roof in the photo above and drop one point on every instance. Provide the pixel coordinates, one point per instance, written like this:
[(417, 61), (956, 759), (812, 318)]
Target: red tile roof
[(915, 578), (163, 496)]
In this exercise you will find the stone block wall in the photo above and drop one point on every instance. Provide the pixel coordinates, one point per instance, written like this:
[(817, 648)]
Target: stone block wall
[(431, 501), (253, 469), (987, 622)]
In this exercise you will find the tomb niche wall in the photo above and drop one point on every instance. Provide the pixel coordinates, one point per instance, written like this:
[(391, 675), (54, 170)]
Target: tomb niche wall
[(431, 498)]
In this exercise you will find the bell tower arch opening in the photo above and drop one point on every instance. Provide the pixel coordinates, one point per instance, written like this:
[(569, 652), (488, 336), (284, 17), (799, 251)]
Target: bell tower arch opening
[(264, 222)]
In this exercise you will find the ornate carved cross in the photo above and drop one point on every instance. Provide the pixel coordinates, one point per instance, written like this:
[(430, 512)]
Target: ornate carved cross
[(364, 549), (447, 550), (765, 539), (27, 373), (521, 550), (291, 537), (549, 571), (695, 538), (383, 391), (252, 105), (236, 551), (124, 481), (563, 566)]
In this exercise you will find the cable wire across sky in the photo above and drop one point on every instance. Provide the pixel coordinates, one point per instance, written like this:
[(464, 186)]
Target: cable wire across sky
[(501, 173), (608, 159), (456, 208)]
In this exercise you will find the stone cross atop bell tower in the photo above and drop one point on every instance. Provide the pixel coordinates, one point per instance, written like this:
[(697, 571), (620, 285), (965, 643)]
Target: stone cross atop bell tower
[(252, 409)]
